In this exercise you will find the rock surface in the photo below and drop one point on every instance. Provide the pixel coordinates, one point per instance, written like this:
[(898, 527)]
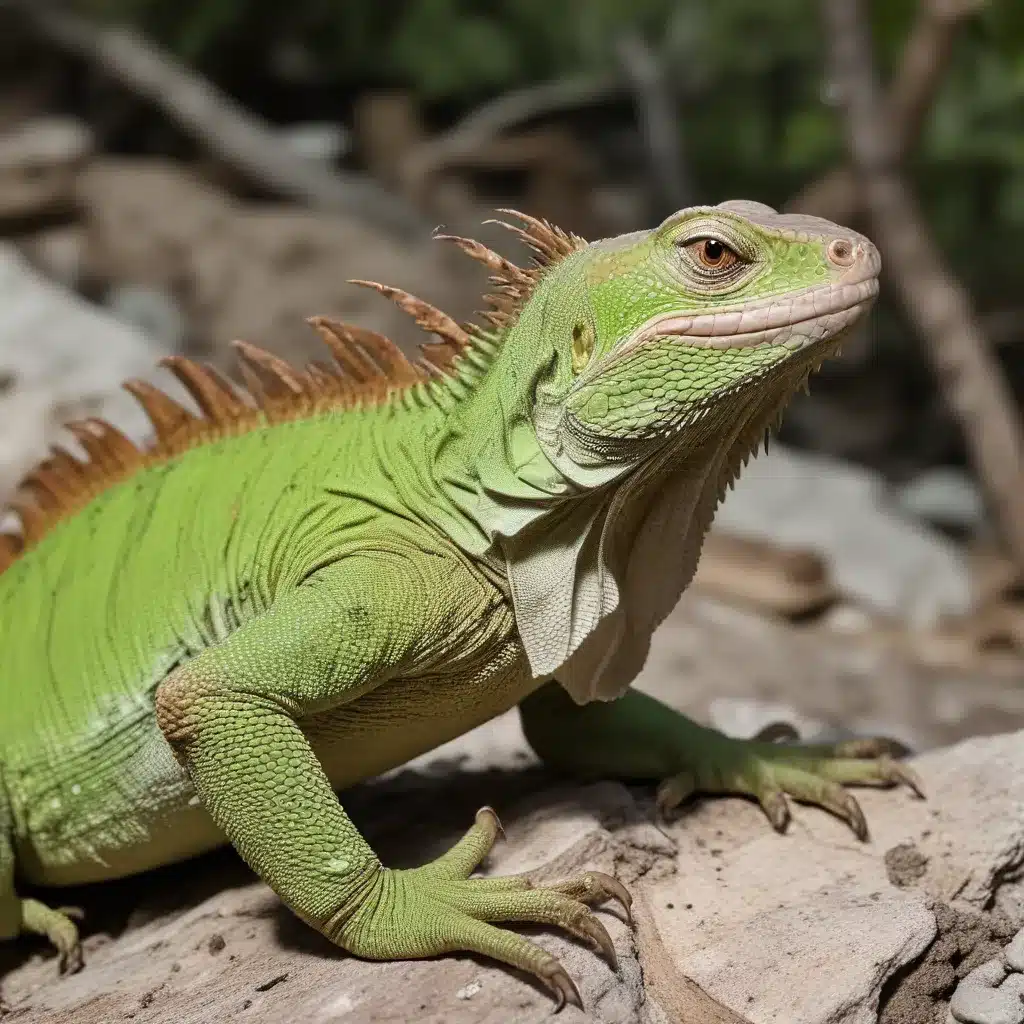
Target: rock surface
[(40, 162), (877, 554), (256, 272), (735, 924), (60, 359)]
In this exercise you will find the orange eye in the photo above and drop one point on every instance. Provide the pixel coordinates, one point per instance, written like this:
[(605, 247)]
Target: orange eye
[(713, 254)]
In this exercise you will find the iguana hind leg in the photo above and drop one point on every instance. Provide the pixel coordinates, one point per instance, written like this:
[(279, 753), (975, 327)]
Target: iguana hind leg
[(28, 916), (638, 737)]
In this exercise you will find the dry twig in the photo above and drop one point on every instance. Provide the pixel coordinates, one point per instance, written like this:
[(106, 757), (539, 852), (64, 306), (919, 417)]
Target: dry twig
[(935, 301)]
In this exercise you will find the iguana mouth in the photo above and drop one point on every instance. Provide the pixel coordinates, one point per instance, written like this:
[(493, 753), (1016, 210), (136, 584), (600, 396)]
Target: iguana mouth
[(829, 308), (780, 320)]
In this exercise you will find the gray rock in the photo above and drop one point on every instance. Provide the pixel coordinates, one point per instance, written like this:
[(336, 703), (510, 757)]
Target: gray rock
[(320, 141), (151, 311), (944, 497), (1014, 952), (807, 927), (735, 924), (744, 717), (983, 997), (39, 165), (876, 554), (60, 359)]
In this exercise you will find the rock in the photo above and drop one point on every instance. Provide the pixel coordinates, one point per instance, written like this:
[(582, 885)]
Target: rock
[(58, 252), (60, 359), (238, 956), (1014, 953), (781, 965), (808, 928), (785, 582), (40, 162), (257, 272), (735, 924), (320, 141), (944, 497), (876, 554), (905, 864), (744, 717), (987, 996), (709, 655), (993, 993), (151, 311)]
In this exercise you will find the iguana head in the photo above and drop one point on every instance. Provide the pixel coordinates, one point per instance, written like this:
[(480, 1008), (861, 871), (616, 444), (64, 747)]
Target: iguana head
[(681, 329), (633, 378)]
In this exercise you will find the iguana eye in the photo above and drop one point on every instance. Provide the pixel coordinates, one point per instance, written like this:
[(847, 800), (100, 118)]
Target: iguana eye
[(712, 254)]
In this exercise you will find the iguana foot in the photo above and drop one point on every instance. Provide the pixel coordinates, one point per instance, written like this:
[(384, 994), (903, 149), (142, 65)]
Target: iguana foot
[(771, 771), (57, 925), (438, 909)]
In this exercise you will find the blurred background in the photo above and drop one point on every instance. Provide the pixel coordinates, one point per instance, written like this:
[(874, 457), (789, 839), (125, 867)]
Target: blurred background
[(178, 173)]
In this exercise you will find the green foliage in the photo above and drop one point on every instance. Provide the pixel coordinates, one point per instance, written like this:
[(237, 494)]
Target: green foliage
[(750, 74)]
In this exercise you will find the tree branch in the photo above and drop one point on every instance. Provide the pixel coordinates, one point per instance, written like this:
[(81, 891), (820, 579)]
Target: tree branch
[(921, 70), (934, 300), (497, 116), (659, 122), (232, 134)]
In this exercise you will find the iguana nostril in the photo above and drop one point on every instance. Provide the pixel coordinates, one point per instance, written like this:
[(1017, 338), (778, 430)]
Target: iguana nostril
[(841, 252)]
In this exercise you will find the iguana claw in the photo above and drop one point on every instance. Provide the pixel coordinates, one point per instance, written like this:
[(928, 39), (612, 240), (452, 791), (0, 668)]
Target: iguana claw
[(770, 771), (563, 986)]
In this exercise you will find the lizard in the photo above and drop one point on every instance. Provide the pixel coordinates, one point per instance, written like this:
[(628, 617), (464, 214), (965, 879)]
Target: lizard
[(305, 580)]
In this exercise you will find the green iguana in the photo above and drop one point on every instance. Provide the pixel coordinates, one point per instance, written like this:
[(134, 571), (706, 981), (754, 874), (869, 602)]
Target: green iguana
[(320, 577)]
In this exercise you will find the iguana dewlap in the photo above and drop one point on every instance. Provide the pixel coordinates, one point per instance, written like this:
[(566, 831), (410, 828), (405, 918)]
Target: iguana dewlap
[(314, 581)]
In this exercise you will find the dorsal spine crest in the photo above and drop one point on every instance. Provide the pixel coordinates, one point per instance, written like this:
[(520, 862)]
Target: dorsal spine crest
[(366, 370)]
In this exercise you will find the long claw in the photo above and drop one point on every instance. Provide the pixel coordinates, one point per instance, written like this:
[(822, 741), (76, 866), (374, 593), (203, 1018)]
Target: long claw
[(71, 960), (489, 813), (850, 811), (616, 891), (896, 772), (564, 988), (776, 807), (591, 928), (775, 732), (673, 791)]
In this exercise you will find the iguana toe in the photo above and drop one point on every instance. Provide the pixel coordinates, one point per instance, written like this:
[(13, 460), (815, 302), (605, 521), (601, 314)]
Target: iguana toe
[(595, 888), (57, 926), (438, 909), (773, 772)]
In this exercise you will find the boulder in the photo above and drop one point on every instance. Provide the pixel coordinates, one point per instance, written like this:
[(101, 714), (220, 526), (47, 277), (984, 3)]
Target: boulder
[(734, 923)]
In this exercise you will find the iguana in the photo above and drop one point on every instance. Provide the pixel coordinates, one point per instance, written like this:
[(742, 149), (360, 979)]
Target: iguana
[(303, 583)]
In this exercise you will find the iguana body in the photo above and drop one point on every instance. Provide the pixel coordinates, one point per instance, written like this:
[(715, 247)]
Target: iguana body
[(204, 640)]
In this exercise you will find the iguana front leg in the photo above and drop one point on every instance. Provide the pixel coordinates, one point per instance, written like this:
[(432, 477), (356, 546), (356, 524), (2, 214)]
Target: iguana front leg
[(232, 716), (637, 737)]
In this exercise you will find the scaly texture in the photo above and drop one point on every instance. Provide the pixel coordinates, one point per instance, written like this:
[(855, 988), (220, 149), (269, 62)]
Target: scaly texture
[(309, 582)]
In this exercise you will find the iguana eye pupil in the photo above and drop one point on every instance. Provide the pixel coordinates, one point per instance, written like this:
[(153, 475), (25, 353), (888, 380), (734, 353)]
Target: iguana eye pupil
[(712, 254)]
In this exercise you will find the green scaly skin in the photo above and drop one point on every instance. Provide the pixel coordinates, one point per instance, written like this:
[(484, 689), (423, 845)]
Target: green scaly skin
[(208, 650)]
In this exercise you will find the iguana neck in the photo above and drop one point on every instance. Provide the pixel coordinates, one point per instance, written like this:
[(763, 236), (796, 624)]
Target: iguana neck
[(581, 545)]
